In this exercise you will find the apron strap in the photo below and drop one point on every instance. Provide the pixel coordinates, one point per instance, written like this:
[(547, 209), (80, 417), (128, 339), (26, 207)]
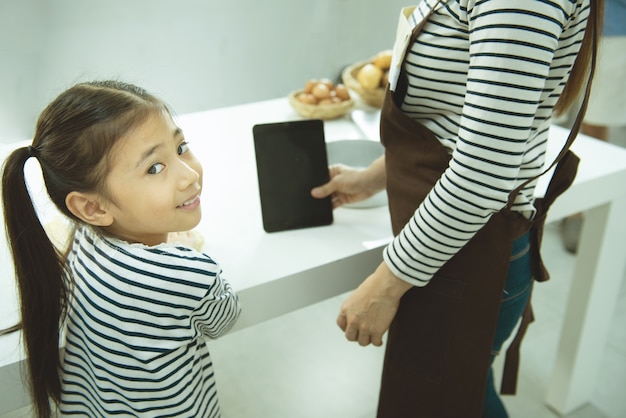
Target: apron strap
[(567, 161), (511, 361), (403, 83), (575, 127)]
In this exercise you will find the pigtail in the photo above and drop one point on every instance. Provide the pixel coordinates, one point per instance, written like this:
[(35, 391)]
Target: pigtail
[(41, 275)]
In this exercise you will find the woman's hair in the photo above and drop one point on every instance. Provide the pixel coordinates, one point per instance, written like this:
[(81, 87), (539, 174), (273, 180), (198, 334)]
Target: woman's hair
[(585, 60), (73, 141)]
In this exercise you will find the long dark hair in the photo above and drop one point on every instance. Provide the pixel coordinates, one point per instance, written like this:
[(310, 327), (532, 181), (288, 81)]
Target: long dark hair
[(585, 60), (72, 142)]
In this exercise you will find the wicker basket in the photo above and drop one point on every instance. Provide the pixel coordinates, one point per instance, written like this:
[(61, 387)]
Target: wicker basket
[(326, 111), (373, 97)]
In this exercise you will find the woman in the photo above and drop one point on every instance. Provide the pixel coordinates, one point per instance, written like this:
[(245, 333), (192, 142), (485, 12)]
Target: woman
[(465, 125)]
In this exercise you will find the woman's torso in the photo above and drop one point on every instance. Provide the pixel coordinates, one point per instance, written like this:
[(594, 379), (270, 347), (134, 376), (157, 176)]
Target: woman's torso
[(484, 77)]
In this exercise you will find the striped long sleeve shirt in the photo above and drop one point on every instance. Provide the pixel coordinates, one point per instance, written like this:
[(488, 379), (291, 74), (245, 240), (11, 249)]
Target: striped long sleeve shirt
[(484, 76), (135, 329)]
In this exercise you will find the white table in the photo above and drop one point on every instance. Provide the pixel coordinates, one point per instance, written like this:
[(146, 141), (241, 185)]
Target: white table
[(280, 272)]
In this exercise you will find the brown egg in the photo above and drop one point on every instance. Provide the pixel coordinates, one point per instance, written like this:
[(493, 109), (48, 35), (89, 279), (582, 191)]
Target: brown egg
[(327, 83), (308, 88), (321, 91), (341, 92), (306, 98)]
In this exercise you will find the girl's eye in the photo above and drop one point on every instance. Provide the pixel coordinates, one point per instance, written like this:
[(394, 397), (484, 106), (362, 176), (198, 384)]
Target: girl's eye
[(156, 168), (183, 148)]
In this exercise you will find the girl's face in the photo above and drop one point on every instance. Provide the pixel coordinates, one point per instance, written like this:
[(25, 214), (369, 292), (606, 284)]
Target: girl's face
[(154, 183)]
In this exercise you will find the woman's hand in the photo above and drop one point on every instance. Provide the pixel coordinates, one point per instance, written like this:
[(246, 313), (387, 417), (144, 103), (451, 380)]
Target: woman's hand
[(367, 313), (350, 185)]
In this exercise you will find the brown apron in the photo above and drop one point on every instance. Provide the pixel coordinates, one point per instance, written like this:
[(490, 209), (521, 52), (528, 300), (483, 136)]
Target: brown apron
[(439, 344)]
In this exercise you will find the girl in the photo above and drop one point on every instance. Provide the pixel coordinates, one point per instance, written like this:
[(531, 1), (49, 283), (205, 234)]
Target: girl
[(134, 308), (465, 124)]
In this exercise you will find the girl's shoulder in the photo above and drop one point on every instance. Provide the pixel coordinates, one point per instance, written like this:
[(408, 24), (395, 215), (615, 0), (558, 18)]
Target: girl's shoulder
[(171, 269), (166, 255)]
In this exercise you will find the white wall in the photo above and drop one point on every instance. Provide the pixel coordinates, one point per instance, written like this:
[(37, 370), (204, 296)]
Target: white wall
[(195, 54), (21, 26)]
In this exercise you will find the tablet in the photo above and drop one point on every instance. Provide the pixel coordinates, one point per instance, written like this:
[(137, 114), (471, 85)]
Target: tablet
[(291, 160)]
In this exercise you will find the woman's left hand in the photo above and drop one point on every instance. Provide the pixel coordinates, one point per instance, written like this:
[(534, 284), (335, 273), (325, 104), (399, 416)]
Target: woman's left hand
[(367, 313)]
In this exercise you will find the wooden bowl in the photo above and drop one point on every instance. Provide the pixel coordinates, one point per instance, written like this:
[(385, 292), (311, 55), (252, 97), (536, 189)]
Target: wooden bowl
[(320, 111), (373, 97)]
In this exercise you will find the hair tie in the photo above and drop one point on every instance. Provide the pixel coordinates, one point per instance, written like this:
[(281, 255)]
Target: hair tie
[(31, 152)]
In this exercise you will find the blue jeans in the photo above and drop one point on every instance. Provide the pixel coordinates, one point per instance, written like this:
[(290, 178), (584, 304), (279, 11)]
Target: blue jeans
[(516, 293)]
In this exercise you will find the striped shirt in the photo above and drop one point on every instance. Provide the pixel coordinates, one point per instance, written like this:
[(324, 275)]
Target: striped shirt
[(135, 329), (484, 76)]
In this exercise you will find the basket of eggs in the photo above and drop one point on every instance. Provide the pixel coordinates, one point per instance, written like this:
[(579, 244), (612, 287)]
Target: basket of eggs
[(321, 99), (369, 78)]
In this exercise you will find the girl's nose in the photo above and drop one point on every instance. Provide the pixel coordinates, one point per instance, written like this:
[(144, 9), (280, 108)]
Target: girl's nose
[(188, 175)]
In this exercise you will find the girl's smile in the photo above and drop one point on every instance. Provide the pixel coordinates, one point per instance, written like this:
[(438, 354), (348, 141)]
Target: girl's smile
[(190, 204)]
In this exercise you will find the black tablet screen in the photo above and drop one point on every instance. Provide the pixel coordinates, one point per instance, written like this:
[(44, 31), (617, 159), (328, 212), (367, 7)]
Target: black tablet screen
[(291, 160)]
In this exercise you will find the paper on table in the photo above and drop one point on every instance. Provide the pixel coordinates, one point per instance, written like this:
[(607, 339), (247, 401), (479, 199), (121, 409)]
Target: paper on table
[(377, 243)]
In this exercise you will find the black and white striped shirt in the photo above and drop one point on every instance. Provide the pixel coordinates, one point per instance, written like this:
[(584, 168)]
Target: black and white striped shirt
[(135, 330), (484, 76)]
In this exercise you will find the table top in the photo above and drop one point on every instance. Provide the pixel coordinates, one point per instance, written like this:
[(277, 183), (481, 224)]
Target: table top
[(231, 223)]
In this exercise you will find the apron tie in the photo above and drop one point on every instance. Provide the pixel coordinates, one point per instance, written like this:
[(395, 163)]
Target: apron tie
[(562, 179)]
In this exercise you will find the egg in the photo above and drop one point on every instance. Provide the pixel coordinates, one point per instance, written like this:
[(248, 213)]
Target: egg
[(308, 87), (307, 98), (341, 92), (327, 83), (321, 91)]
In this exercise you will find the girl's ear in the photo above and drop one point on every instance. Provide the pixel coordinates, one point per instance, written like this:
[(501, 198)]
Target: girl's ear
[(88, 208)]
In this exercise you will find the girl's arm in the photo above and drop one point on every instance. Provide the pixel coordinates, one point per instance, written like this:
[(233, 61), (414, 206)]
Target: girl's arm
[(218, 310)]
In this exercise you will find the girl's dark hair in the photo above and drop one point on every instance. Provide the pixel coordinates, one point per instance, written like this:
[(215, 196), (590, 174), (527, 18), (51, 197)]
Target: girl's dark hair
[(72, 142), (585, 60)]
